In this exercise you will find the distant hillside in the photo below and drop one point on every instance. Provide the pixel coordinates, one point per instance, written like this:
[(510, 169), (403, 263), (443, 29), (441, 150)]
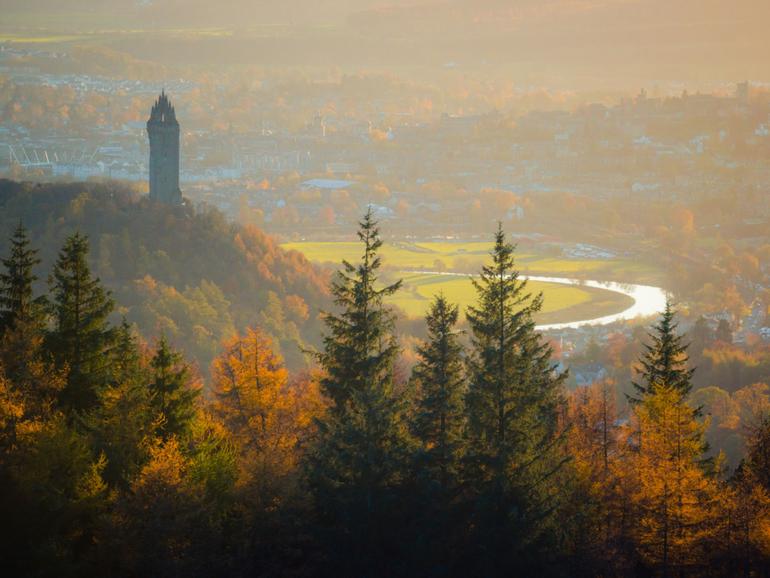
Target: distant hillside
[(191, 275)]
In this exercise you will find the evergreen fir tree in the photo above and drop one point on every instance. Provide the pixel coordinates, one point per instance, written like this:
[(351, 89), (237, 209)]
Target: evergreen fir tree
[(126, 359), (359, 460), (172, 396), (81, 338), (438, 425), (17, 302), (123, 427), (359, 349), (22, 318), (515, 449), (123, 424), (440, 381), (665, 361)]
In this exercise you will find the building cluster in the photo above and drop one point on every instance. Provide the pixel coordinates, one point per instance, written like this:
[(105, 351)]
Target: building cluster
[(644, 147)]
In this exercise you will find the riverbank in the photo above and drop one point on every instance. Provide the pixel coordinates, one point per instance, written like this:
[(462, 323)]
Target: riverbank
[(642, 301)]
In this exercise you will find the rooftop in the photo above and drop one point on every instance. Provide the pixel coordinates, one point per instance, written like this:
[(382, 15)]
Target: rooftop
[(329, 184)]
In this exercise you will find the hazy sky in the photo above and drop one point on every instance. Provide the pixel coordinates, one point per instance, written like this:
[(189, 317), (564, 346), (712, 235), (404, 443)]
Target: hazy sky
[(743, 15), (691, 40)]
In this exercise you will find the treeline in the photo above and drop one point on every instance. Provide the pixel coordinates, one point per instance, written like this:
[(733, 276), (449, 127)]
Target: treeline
[(114, 461), (730, 384), (184, 272)]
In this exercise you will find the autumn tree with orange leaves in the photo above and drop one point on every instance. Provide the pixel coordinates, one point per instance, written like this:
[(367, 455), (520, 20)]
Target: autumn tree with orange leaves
[(267, 416), (675, 499)]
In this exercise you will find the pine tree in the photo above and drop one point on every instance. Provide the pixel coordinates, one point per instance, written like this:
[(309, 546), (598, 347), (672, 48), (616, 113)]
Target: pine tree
[(514, 446), (81, 338), (173, 398), (122, 424), (22, 318), (17, 301), (438, 425), (126, 359), (359, 349), (123, 427), (665, 361), (439, 378), (358, 463)]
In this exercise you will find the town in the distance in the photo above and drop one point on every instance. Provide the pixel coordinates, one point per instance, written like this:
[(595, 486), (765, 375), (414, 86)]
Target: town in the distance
[(637, 182)]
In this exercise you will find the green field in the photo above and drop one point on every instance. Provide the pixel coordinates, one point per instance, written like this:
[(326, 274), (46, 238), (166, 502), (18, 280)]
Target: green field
[(41, 38), (468, 257), (401, 255), (562, 302), (406, 261)]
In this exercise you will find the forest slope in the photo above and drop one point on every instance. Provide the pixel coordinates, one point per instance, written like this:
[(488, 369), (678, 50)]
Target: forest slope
[(188, 274)]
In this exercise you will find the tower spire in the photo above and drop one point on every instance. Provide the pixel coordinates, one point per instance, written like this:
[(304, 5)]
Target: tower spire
[(163, 131)]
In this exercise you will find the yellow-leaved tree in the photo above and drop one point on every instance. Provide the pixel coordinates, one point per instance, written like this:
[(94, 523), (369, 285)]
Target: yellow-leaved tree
[(675, 499), (596, 506), (269, 419), (268, 416)]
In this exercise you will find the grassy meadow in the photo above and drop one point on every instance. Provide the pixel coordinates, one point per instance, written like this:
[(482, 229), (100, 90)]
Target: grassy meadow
[(468, 257), (422, 267)]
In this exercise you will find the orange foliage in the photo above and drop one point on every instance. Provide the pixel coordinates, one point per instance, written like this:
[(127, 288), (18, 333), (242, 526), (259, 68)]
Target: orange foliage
[(267, 416), (674, 500), (297, 308)]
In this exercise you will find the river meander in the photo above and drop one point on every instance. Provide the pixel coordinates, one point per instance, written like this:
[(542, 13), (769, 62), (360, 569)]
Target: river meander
[(647, 300)]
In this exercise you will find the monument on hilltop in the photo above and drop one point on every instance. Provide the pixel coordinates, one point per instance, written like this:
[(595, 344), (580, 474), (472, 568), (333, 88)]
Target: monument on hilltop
[(163, 131)]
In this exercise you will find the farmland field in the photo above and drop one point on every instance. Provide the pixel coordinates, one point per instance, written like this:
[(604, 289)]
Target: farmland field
[(562, 303), (468, 257), (421, 265)]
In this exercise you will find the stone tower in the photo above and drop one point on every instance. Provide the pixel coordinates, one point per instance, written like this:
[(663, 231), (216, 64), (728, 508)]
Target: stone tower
[(163, 130)]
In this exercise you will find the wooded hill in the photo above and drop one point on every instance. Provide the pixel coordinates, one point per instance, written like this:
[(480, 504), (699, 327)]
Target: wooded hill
[(186, 273)]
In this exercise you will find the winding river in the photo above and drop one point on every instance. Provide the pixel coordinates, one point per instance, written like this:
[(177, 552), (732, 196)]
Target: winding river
[(648, 300)]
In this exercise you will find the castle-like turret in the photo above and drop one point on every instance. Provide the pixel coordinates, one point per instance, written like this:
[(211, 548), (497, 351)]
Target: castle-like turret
[(163, 130)]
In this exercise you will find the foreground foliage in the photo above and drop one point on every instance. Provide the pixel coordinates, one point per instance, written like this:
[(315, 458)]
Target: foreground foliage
[(117, 460)]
